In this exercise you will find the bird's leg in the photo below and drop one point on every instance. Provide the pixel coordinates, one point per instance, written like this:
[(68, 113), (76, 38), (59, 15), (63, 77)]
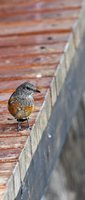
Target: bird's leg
[(19, 125), (28, 127)]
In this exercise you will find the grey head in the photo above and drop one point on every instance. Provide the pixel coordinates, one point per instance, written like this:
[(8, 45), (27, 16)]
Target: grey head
[(27, 88)]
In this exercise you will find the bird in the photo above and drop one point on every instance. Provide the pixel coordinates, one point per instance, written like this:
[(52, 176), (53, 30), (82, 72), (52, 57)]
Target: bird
[(21, 103)]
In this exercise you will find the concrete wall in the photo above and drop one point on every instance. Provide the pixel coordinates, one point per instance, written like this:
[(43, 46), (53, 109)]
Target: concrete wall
[(68, 178)]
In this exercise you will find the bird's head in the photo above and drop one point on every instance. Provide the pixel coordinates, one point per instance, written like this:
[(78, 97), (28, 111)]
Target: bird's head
[(27, 88)]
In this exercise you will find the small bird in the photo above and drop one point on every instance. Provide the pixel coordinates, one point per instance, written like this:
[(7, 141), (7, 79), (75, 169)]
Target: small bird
[(21, 102)]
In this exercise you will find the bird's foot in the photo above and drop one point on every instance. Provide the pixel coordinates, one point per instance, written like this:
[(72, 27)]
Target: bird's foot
[(19, 128), (28, 128)]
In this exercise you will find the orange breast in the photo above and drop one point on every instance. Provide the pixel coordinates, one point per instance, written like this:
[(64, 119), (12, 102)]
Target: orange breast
[(28, 110), (13, 107), (18, 110)]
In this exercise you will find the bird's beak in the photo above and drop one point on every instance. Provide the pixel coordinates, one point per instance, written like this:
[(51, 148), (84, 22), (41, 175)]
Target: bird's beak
[(37, 90)]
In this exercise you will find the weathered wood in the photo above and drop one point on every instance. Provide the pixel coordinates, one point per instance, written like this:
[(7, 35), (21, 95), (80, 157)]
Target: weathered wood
[(50, 147)]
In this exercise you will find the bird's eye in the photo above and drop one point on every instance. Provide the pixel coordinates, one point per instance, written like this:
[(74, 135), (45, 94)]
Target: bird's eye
[(28, 88)]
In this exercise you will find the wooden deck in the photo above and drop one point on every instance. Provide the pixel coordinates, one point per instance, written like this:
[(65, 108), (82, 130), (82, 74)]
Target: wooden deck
[(38, 40)]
